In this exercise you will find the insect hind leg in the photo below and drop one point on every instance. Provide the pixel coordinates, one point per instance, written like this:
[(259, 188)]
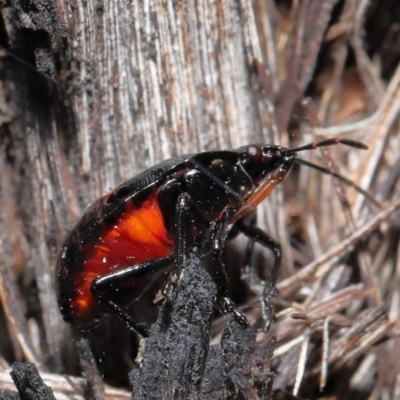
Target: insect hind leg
[(117, 279)]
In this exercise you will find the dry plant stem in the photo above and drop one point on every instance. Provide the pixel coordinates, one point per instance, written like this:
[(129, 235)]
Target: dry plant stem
[(329, 90), (350, 127), (377, 125), (329, 308), (309, 20), (366, 330), (318, 14), (315, 290), (386, 115), (396, 390), (366, 367), (283, 235), (301, 364), (380, 331), (394, 311), (367, 273), (355, 337), (95, 385), (283, 349), (292, 283), (368, 278), (336, 301), (338, 186), (368, 71), (276, 213), (355, 340), (325, 353), (313, 236), (358, 327), (389, 184), (331, 304)]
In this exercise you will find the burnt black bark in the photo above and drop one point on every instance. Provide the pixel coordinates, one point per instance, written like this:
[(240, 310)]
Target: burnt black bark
[(177, 362), (29, 383)]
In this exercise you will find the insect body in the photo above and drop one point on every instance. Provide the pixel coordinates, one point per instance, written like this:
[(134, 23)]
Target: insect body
[(154, 220)]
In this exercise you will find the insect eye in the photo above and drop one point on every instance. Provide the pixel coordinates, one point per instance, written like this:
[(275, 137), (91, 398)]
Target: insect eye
[(254, 153)]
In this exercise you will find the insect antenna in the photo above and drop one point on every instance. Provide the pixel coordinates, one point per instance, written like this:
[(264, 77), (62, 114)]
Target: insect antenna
[(341, 178), (327, 142), (332, 142)]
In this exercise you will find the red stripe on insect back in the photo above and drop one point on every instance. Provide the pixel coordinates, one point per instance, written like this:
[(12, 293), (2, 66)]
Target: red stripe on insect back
[(138, 235)]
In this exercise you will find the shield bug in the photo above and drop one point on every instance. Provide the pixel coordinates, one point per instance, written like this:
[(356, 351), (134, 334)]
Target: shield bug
[(153, 221)]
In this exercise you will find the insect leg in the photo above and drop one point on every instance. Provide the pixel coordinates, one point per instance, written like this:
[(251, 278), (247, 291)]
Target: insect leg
[(221, 277), (188, 217), (269, 291), (123, 277), (249, 274)]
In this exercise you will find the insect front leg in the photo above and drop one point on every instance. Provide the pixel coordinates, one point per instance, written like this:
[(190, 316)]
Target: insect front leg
[(249, 273), (221, 277), (269, 289), (189, 217), (122, 278)]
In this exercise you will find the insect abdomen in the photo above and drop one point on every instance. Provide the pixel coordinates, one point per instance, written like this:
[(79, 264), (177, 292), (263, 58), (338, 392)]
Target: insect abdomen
[(99, 245)]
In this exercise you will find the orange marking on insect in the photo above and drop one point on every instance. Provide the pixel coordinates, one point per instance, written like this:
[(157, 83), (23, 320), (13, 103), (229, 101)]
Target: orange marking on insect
[(257, 197), (103, 248), (114, 233), (83, 303), (145, 226), (139, 235)]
